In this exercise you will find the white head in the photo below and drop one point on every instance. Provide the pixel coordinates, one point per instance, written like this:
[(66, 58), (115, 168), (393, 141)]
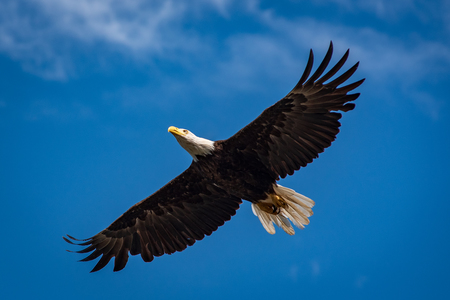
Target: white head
[(193, 144)]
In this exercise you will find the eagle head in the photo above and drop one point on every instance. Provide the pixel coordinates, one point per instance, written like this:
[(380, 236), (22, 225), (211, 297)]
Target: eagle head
[(193, 144)]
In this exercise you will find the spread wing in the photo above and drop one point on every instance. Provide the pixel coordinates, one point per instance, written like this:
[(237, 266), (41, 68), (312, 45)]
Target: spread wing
[(292, 132), (180, 213)]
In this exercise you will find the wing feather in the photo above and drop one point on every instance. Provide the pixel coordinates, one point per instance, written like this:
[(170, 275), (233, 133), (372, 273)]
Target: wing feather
[(321, 67), (308, 69), (135, 244), (334, 69), (122, 257), (292, 132), (180, 213)]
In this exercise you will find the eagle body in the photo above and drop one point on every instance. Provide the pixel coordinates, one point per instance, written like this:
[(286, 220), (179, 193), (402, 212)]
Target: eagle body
[(237, 171), (285, 137)]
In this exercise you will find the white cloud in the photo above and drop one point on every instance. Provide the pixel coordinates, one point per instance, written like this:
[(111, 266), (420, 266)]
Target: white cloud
[(44, 35), (44, 40), (23, 40), (135, 25), (383, 9), (380, 51), (386, 60), (222, 6), (256, 61)]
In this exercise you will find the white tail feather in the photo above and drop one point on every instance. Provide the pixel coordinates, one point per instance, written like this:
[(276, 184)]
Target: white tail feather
[(297, 210), (265, 219)]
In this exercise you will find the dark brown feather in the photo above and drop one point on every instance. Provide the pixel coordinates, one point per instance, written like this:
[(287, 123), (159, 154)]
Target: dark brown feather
[(185, 210), (307, 115)]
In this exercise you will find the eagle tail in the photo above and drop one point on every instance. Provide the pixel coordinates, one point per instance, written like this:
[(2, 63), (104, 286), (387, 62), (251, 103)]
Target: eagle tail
[(284, 205)]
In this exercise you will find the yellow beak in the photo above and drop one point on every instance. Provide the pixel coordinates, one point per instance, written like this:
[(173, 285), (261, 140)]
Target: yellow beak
[(176, 131)]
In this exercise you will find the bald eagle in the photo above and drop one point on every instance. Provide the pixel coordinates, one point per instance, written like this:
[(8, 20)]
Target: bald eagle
[(285, 137)]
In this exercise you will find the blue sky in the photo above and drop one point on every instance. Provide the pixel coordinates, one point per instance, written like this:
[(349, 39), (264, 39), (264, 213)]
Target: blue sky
[(89, 88)]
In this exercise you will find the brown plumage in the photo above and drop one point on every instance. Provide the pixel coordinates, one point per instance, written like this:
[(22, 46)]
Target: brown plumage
[(286, 136)]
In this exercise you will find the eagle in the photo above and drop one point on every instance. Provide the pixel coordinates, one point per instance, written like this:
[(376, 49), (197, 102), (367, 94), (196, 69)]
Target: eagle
[(285, 137)]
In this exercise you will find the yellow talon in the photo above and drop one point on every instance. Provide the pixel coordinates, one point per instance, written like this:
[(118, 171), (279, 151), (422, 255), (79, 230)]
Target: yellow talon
[(268, 208), (279, 202)]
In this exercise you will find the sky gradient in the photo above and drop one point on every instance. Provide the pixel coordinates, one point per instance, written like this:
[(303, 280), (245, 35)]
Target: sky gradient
[(89, 88)]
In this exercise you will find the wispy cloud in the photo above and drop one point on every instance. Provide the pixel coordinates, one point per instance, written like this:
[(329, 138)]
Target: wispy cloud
[(385, 9), (386, 60), (136, 25), (46, 36), (30, 40), (380, 51)]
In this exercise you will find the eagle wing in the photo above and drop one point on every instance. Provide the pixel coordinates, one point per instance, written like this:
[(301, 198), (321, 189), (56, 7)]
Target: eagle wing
[(180, 213), (292, 132)]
